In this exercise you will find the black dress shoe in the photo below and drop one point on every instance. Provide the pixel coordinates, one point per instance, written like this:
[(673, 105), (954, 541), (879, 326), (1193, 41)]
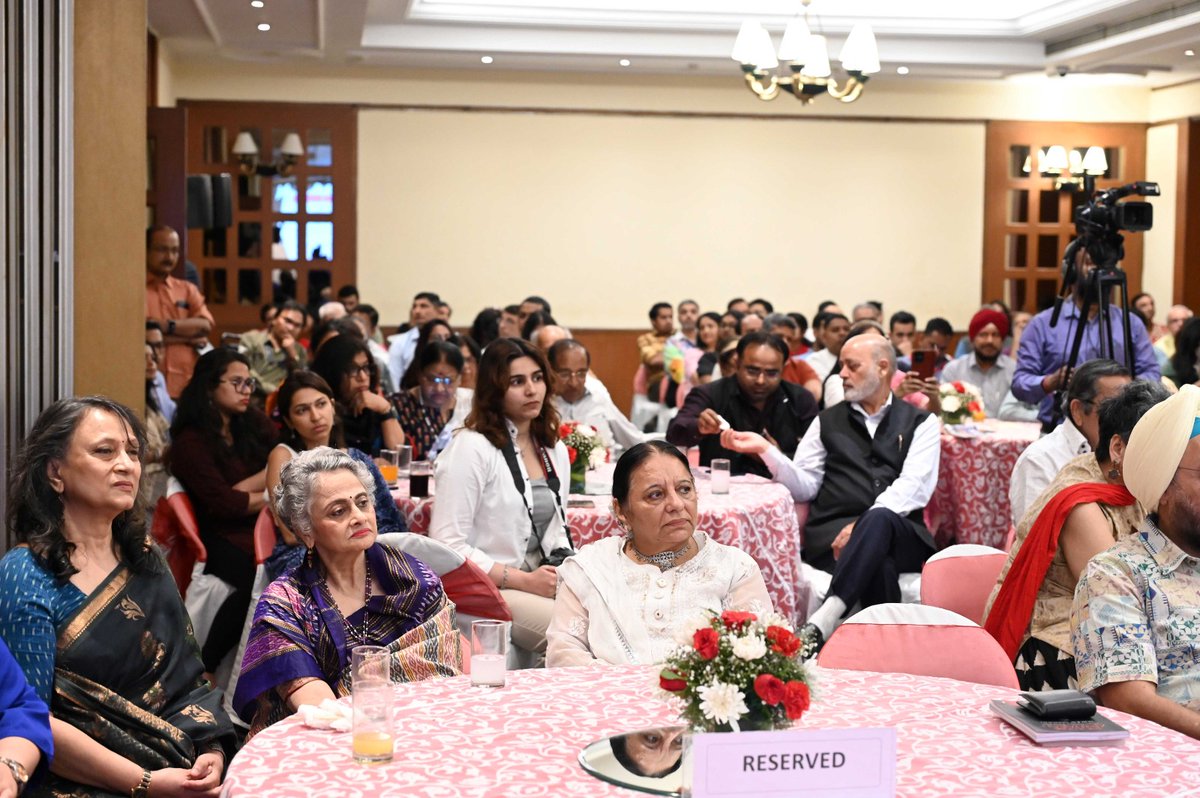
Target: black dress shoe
[(812, 640)]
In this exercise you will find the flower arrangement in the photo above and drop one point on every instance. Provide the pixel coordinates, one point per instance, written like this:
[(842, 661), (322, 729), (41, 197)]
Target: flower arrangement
[(585, 449), (735, 671), (961, 402)]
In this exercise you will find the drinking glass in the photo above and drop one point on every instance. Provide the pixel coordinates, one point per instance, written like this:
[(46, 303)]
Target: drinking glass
[(418, 479), (720, 475), (403, 460), (489, 653), (388, 468), (371, 696)]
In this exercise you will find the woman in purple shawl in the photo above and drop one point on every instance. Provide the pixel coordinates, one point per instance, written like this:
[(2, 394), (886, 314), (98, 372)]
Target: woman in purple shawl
[(349, 591)]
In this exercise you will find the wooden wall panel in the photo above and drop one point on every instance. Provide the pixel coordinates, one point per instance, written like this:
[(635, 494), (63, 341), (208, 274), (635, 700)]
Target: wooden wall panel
[(1187, 206)]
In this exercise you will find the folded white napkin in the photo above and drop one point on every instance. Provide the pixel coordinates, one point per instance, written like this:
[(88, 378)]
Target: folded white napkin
[(329, 714)]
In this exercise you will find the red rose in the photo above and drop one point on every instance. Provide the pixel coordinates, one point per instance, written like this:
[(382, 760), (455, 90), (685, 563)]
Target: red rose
[(671, 681), (564, 430), (974, 407), (571, 453), (706, 642), (769, 688), (782, 641), (958, 386), (796, 699), (736, 620)]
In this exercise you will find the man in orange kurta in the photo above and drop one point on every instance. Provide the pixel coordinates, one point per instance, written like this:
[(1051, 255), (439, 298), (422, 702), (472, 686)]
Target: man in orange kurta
[(177, 306)]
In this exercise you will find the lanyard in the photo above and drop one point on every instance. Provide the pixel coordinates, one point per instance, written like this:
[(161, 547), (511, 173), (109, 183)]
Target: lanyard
[(510, 456)]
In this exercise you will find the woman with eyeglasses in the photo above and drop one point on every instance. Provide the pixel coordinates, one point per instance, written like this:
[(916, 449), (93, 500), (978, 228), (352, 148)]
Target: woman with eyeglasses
[(369, 423), (437, 405), (219, 449)]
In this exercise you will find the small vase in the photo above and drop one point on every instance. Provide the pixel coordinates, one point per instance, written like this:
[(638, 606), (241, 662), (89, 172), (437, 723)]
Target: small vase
[(578, 474)]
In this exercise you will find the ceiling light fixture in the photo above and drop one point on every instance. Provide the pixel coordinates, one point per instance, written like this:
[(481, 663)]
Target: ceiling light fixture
[(257, 3), (246, 150), (487, 59), (806, 55), (1189, 53), (264, 26), (624, 62), (901, 70)]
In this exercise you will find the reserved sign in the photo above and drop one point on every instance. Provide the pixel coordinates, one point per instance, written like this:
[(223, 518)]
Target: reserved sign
[(848, 763)]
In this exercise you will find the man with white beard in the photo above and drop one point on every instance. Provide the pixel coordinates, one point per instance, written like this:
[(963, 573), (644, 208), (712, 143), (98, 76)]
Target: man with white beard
[(869, 466)]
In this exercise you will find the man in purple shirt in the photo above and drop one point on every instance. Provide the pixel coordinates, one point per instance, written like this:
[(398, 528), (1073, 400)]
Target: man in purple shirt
[(1042, 358)]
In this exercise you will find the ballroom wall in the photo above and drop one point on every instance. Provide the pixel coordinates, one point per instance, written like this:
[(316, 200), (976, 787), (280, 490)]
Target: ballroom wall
[(631, 189)]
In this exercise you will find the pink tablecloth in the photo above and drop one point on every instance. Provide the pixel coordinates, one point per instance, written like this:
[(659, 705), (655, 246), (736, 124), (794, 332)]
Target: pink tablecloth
[(757, 516), (970, 503), (524, 740)]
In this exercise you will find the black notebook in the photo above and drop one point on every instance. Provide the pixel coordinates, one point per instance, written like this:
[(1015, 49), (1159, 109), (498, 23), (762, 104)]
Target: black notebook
[(1096, 730)]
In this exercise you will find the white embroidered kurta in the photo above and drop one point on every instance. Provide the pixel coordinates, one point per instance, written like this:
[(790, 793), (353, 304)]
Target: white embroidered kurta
[(612, 609)]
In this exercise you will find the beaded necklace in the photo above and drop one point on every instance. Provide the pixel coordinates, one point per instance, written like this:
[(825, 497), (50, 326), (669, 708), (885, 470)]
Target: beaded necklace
[(664, 560), (365, 626)]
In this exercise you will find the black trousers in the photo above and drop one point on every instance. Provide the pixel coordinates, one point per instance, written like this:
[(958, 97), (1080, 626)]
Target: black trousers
[(230, 564), (883, 546)]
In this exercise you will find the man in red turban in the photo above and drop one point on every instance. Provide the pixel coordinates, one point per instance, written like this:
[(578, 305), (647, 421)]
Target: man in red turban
[(987, 368)]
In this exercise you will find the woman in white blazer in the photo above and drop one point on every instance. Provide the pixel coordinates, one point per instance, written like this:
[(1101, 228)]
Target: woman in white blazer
[(502, 487)]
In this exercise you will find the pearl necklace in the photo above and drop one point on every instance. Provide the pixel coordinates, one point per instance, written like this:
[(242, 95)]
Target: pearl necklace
[(664, 560)]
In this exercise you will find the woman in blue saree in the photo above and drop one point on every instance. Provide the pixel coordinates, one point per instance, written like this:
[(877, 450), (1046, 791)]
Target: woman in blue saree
[(93, 617), (349, 591)]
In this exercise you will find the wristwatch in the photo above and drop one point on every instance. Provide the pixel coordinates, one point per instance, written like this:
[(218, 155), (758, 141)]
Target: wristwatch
[(19, 773), (170, 326)]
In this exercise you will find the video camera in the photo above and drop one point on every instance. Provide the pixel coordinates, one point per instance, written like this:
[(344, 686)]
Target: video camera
[(1097, 224)]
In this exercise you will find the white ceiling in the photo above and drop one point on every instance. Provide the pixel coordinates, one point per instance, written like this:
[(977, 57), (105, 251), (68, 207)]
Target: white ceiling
[(968, 39)]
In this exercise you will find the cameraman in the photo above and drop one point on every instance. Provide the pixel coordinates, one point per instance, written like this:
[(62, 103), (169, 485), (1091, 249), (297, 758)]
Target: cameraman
[(1045, 350)]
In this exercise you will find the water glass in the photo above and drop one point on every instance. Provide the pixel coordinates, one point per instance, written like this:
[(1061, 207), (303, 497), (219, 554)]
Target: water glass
[(489, 653), (720, 475), (371, 695), (403, 460), (418, 479), (388, 468)]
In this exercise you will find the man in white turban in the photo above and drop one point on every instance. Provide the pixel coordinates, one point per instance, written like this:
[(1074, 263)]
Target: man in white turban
[(1136, 617)]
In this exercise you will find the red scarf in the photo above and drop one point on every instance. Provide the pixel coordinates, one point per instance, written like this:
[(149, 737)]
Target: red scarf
[(1013, 606)]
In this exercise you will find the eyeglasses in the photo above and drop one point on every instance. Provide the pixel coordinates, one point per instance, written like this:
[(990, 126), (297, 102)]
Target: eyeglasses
[(248, 385), (754, 373), (446, 381), (354, 370), (567, 376)]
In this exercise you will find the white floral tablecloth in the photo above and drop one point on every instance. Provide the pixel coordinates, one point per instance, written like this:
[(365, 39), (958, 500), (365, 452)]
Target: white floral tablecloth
[(523, 741)]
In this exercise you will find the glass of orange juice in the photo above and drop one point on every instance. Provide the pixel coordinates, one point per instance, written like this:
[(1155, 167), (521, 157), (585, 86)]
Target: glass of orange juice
[(371, 695), (389, 467)]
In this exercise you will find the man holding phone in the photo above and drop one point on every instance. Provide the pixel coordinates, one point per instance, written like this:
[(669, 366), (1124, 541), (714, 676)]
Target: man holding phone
[(987, 367)]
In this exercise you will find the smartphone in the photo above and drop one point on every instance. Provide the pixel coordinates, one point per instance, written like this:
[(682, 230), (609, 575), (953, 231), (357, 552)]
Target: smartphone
[(924, 361)]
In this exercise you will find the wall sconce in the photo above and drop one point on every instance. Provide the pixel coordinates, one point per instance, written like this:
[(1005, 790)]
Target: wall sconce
[(1071, 170), (246, 151)]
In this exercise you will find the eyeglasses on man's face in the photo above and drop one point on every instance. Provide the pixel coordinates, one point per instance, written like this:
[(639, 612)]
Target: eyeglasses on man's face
[(243, 385), (568, 376)]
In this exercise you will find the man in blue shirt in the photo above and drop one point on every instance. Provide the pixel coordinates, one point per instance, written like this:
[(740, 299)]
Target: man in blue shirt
[(1045, 350)]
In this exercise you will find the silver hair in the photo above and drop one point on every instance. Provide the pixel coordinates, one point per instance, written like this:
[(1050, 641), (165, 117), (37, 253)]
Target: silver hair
[(780, 320), (298, 479)]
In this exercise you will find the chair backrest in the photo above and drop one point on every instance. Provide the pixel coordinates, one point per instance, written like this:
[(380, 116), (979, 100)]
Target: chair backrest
[(910, 638), (465, 583), (960, 578), (264, 536), (176, 531)]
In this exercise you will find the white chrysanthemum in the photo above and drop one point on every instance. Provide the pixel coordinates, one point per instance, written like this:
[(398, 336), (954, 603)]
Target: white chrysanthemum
[(686, 632), (775, 619), (951, 404), (586, 431), (597, 457), (750, 647), (722, 702)]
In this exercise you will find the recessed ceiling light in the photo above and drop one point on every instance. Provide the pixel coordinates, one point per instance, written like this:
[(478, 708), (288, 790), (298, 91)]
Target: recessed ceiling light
[(624, 62), (901, 70), (487, 59), (264, 26), (257, 3), (1189, 53)]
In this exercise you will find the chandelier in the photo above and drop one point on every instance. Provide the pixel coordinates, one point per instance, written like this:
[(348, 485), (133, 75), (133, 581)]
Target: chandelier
[(806, 55)]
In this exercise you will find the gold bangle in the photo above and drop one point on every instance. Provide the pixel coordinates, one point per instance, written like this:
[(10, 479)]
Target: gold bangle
[(142, 788)]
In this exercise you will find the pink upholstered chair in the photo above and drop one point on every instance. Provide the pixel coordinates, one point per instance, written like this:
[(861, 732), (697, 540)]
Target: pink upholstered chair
[(910, 638), (175, 530), (960, 578)]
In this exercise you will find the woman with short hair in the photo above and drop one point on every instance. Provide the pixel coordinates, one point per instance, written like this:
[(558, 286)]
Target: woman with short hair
[(349, 591), (94, 618), (628, 599)]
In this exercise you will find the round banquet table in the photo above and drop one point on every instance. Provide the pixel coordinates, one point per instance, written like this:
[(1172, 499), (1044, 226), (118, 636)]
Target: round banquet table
[(970, 503), (757, 516), (524, 740)]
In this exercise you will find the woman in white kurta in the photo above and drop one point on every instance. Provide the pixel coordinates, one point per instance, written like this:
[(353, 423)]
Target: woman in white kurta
[(634, 599)]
